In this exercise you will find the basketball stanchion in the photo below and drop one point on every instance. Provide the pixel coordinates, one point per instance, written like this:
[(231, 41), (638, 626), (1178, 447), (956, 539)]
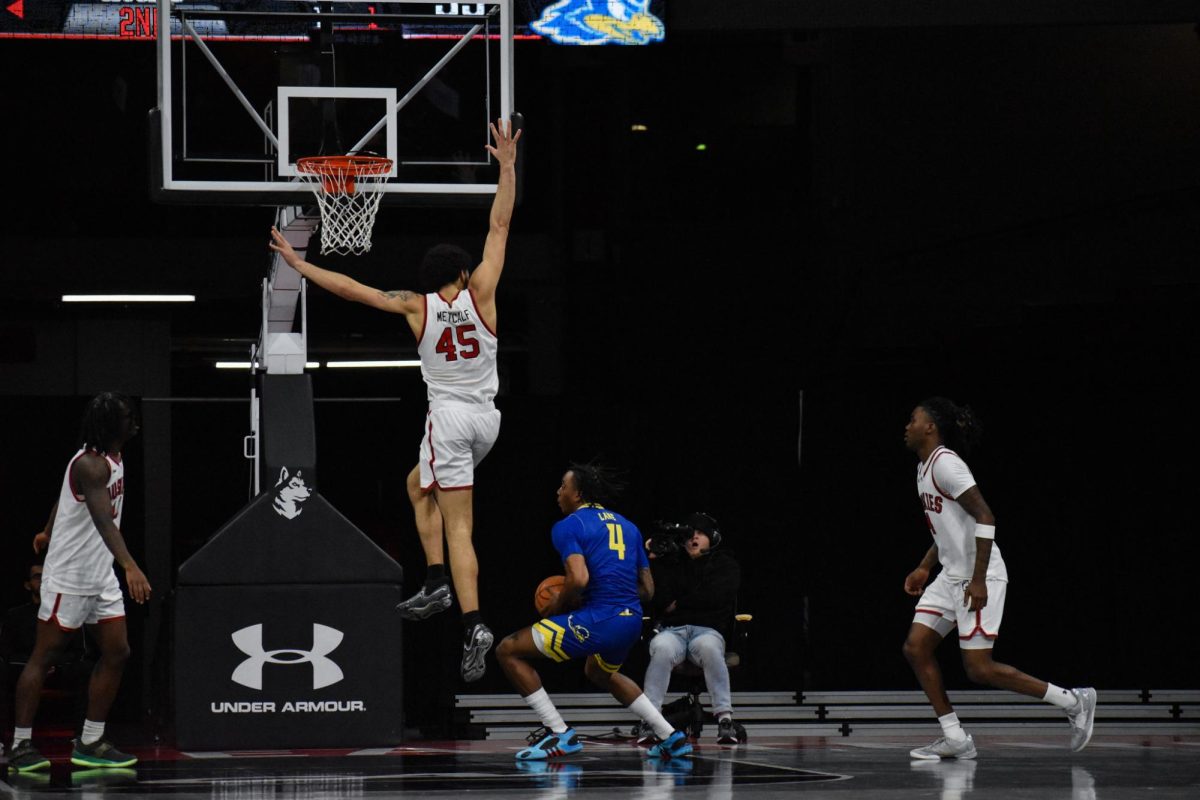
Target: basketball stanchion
[(348, 191)]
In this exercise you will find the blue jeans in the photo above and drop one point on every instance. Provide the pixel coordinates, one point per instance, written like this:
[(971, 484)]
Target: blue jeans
[(700, 645)]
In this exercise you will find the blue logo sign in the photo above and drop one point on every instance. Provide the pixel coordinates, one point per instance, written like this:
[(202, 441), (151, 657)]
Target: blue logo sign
[(600, 22)]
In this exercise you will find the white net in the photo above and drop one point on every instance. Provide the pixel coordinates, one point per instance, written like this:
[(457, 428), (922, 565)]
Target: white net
[(348, 190)]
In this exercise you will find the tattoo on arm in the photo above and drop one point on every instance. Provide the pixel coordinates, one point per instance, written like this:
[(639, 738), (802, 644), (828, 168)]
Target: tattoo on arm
[(402, 294)]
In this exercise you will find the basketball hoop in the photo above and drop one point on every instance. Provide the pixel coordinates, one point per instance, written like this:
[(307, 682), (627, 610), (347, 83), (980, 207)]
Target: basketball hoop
[(348, 190)]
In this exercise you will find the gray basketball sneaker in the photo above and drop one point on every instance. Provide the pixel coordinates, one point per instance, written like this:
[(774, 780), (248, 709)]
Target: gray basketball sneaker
[(426, 603), (1082, 717), (24, 758), (944, 748), (100, 753), (474, 653)]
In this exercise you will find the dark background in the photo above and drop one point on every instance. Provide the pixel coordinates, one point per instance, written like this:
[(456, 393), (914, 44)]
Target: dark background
[(1004, 213)]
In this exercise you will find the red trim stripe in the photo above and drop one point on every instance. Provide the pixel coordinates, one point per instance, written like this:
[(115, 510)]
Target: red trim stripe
[(54, 616), (930, 611), (71, 478), (933, 477), (103, 620), (432, 452), (978, 628), (479, 315), (929, 461), (424, 317)]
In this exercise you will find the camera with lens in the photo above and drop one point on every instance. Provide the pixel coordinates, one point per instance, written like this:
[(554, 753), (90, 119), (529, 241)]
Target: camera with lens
[(669, 537)]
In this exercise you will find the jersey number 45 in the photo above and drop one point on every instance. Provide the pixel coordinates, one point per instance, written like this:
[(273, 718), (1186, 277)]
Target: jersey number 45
[(469, 344)]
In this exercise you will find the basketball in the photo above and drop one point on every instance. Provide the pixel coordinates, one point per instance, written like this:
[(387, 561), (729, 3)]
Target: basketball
[(547, 590)]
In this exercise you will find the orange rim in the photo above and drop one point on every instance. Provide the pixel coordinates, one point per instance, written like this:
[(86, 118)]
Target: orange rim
[(353, 166), (338, 173)]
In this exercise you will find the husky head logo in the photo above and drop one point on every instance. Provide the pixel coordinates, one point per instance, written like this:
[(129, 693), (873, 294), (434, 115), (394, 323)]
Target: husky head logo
[(600, 22), (290, 494), (581, 633)]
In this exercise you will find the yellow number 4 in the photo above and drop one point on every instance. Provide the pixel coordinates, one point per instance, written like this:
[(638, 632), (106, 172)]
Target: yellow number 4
[(616, 540)]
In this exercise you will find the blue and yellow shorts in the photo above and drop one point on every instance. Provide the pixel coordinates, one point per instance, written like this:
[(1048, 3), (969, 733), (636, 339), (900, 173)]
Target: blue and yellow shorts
[(606, 633)]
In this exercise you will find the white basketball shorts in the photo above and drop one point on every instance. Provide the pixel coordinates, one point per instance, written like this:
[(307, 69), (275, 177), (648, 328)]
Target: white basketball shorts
[(457, 437), (941, 608), (71, 611)]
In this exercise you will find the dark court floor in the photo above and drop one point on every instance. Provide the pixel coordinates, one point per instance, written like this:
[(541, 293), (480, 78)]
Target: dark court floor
[(1008, 766)]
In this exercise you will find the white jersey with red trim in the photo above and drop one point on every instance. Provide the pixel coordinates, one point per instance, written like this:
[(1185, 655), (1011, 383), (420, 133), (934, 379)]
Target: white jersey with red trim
[(78, 561), (941, 480), (458, 351)]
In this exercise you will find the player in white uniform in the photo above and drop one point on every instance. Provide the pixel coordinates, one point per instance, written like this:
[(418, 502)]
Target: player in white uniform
[(455, 327), (968, 594), (79, 586)]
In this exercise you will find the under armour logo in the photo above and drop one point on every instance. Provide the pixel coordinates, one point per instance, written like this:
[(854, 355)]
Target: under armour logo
[(325, 671)]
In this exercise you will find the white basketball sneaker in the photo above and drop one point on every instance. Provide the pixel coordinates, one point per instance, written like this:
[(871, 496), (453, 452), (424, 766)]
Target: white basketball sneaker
[(944, 748), (1082, 717)]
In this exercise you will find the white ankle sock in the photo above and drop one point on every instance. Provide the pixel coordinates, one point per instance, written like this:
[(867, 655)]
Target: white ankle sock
[(22, 735), (724, 715), (952, 729), (1063, 698), (92, 731), (540, 702), (651, 716)]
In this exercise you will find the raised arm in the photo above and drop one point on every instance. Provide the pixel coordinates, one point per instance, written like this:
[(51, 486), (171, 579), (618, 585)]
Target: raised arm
[(90, 474), (396, 302), (487, 275)]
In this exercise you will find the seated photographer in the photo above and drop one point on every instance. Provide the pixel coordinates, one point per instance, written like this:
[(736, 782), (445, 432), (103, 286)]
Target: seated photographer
[(695, 597)]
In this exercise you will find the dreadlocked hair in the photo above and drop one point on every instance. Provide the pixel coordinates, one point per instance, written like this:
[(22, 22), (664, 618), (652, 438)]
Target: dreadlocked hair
[(959, 427), (596, 483), (102, 419)]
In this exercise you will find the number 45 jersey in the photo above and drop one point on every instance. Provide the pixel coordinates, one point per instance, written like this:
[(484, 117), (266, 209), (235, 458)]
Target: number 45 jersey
[(611, 547), (458, 352)]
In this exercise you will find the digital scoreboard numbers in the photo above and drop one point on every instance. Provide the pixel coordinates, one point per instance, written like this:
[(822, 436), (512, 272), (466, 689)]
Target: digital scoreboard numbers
[(572, 22)]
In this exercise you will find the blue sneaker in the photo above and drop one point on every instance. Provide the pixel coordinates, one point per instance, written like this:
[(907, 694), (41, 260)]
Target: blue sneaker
[(673, 746), (545, 743)]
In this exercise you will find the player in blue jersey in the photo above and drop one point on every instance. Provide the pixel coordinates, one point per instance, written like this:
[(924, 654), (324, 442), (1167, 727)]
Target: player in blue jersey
[(597, 616)]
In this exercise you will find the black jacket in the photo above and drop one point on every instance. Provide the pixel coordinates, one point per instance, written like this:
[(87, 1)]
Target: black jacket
[(703, 589)]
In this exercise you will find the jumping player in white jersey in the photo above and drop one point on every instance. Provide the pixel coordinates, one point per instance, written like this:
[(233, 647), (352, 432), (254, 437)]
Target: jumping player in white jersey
[(455, 327), (79, 586), (968, 594)]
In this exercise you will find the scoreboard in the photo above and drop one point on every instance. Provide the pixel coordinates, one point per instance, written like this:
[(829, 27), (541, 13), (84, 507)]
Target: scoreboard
[(561, 21)]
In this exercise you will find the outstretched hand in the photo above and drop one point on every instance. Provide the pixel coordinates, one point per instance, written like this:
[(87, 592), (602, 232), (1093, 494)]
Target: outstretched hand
[(505, 149), (284, 248)]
